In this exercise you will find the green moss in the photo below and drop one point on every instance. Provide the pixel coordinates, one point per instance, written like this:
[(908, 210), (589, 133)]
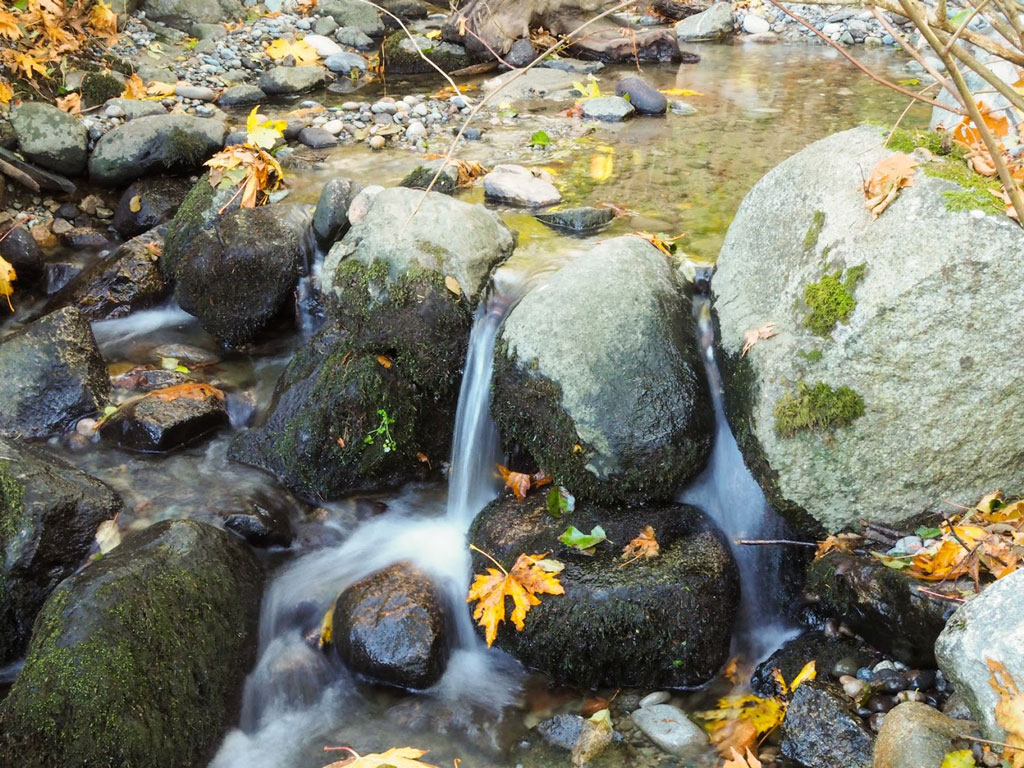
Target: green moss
[(831, 299), (811, 355), (936, 142), (183, 148), (97, 87), (814, 231), (12, 496), (816, 409)]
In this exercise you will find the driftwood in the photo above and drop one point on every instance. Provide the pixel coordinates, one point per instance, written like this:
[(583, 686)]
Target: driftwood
[(32, 177)]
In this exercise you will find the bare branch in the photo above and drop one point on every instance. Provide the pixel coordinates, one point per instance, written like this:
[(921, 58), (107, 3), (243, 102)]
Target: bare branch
[(914, 53), (963, 25)]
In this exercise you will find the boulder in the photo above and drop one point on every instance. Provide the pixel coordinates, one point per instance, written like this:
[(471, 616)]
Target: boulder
[(516, 185), (645, 98), (401, 55), (162, 141), (283, 80), (822, 729), (449, 236), (598, 378), (22, 252), (817, 410), (330, 219), (132, 109), (914, 735), (196, 214), (61, 376), (240, 274), (535, 84), (610, 109), (158, 425), (51, 137), (676, 609), (391, 627), (127, 280), (579, 221), (352, 13), (713, 24), (241, 96), (988, 626), (184, 14), (883, 605), (138, 659), (49, 512), (148, 203)]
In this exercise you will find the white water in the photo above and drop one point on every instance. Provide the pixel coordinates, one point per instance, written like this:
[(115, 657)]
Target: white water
[(727, 492)]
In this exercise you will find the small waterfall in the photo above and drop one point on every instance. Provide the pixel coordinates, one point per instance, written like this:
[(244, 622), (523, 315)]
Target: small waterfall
[(727, 492)]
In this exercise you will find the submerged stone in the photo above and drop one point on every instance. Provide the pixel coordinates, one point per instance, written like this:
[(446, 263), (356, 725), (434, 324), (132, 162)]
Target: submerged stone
[(155, 425), (822, 729)]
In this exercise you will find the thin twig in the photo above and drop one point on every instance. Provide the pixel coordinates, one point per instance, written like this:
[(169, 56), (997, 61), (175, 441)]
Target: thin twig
[(963, 25), (989, 741), (903, 114), (762, 542), (997, 83), (940, 595), (477, 549), (913, 52)]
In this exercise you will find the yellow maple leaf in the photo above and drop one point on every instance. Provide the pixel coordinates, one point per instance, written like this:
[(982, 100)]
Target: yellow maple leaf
[(303, 52), (531, 575), (263, 134), (72, 103), (680, 92), (644, 545), (9, 26), (6, 92), (134, 88), (890, 175), (160, 90), (28, 64), (396, 757), (7, 276), (103, 21), (1009, 712)]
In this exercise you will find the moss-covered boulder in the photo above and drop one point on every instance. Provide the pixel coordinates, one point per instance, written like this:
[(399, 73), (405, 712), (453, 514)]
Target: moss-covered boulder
[(402, 55), (857, 409), (661, 621), (49, 513), (138, 660), (882, 605), (239, 274), (598, 377), (53, 376), (362, 403), (197, 213)]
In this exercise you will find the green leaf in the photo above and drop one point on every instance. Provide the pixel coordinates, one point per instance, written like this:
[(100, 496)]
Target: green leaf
[(560, 501), (961, 758), (896, 563), (540, 139), (910, 81), (928, 533), (577, 539), (21, 5), (961, 17), (110, 409)]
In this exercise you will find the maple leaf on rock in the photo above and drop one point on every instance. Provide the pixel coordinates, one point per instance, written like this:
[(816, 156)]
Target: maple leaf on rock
[(396, 757), (300, 50), (7, 276), (520, 483), (890, 175), (750, 338), (1009, 712), (644, 545)]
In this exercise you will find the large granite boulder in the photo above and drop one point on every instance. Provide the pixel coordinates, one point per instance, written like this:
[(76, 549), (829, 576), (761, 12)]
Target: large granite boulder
[(51, 137)]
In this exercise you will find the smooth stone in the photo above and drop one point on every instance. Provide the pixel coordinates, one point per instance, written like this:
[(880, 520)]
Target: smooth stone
[(607, 108), (281, 80), (344, 62), (324, 46), (517, 185), (132, 109), (713, 24), (317, 138), (670, 730), (755, 25), (645, 98), (914, 735), (241, 95), (195, 92), (578, 220), (50, 137), (652, 699)]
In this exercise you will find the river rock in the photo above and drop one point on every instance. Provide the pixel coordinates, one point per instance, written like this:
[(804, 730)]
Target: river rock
[(147, 203), (353, 37), (183, 14), (810, 646), (815, 410), (330, 219), (914, 735), (516, 185), (581, 221), (988, 626), (598, 378), (126, 635), (60, 376), (240, 274), (422, 175), (671, 730), (261, 517), (645, 98), (535, 84), (163, 141), (83, 238), (241, 96), (324, 46), (391, 627), (457, 239), (49, 512), (677, 609), (822, 729), (283, 80), (196, 214), (51, 137), (607, 108), (132, 109), (317, 138), (156, 425), (22, 252), (713, 24), (521, 53), (401, 54), (343, 63), (352, 13)]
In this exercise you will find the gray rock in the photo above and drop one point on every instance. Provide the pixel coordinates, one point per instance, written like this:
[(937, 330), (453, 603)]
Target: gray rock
[(713, 24), (126, 626), (156, 200), (535, 84), (900, 318), (136, 108), (351, 13), (645, 98), (49, 512), (606, 359), (608, 108), (344, 63), (325, 26), (353, 37), (147, 143), (670, 730), (914, 735), (402, 54), (197, 92), (516, 185), (22, 252), (51, 137), (658, 697), (521, 53), (241, 96), (574, 66), (279, 80), (153, 425), (989, 626), (455, 238), (324, 46), (822, 728), (755, 25), (182, 14), (577, 220), (562, 731), (391, 627), (60, 376), (330, 219), (421, 176), (317, 138)]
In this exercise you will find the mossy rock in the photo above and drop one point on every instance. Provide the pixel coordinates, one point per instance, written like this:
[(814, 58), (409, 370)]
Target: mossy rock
[(401, 58), (97, 87), (197, 212), (663, 621), (139, 659)]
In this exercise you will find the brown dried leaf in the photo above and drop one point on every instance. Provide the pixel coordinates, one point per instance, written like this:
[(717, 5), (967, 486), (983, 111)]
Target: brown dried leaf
[(889, 176), (750, 338)]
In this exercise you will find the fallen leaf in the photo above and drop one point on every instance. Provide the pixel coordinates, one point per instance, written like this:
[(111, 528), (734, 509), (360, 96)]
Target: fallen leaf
[(594, 705), (384, 361), (843, 542), (134, 88), (190, 390), (396, 757), (577, 539), (72, 103), (527, 579), (160, 90), (303, 52), (517, 482), (750, 338), (452, 284), (108, 535), (326, 628), (422, 458), (662, 242), (6, 92), (644, 545), (7, 276), (263, 134), (737, 760), (960, 758), (1009, 712), (679, 92), (890, 175), (135, 204)]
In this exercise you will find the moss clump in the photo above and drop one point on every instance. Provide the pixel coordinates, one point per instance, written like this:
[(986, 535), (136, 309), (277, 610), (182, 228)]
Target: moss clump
[(97, 87), (12, 497), (936, 142), (183, 148), (814, 231), (831, 299), (811, 355), (816, 409)]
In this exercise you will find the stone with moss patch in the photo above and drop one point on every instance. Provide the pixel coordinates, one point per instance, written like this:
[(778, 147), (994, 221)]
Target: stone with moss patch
[(816, 409), (814, 230), (97, 87), (830, 299), (402, 55), (197, 212)]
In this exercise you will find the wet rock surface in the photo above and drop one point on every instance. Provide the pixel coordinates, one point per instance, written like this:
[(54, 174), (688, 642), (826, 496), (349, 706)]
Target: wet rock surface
[(147, 203), (582, 221), (822, 729), (157, 425), (50, 137), (914, 735), (671, 730), (516, 185)]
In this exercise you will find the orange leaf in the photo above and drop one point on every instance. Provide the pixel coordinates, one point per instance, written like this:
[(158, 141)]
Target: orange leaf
[(644, 545), (1009, 712), (72, 103), (890, 175), (518, 482), (750, 338), (531, 575), (191, 390), (384, 361), (134, 88)]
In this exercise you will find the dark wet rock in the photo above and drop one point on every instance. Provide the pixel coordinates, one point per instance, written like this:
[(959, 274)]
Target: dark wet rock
[(241, 96), (51, 137), (47, 180), (317, 138), (156, 425), (352, 13), (22, 252), (420, 177), (826, 652), (196, 214), (84, 237), (676, 609), (127, 280), (577, 220), (562, 731), (60, 377), (330, 219), (822, 729), (405, 9), (264, 519), (238, 275), (391, 627), (401, 54), (598, 377), (521, 53), (147, 203), (49, 512), (184, 14), (161, 631), (283, 80), (136, 108), (883, 605), (139, 146), (645, 98), (914, 735), (59, 275)]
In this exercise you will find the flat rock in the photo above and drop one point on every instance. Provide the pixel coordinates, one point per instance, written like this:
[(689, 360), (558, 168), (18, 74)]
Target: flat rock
[(670, 730), (281, 80), (241, 96), (324, 46), (516, 185), (345, 62), (133, 109), (577, 220), (607, 108), (156, 425), (713, 24), (535, 84), (51, 137), (317, 138)]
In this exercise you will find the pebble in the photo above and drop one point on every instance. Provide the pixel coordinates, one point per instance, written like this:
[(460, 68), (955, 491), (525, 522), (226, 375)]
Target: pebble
[(196, 92), (670, 729), (754, 25), (416, 130), (377, 142), (853, 686), (658, 697)]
